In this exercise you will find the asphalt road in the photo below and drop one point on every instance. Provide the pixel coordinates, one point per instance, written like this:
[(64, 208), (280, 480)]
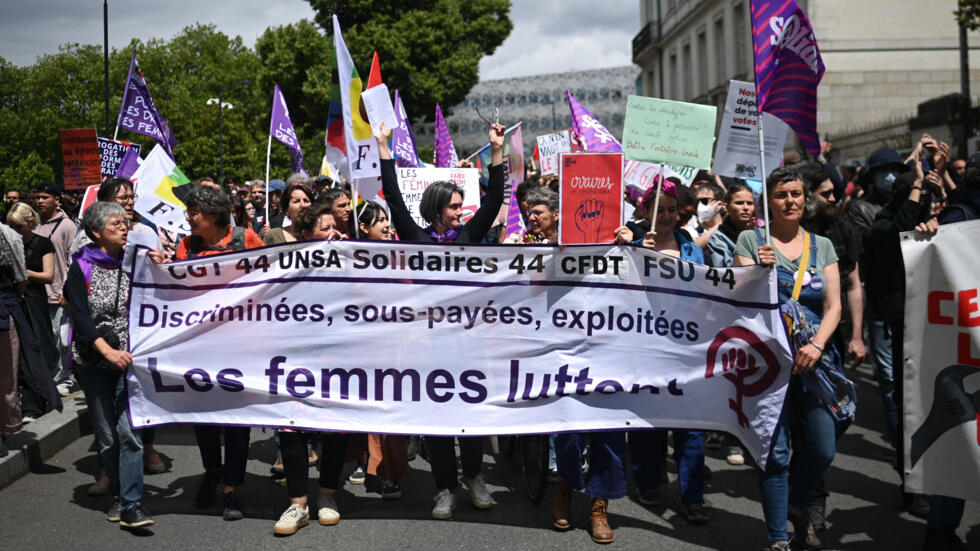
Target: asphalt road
[(49, 508)]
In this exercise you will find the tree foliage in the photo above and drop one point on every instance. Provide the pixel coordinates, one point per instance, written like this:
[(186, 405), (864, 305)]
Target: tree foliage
[(430, 50), (968, 14)]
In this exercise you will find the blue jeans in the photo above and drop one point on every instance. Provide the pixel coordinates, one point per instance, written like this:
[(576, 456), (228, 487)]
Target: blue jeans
[(120, 447), (880, 350), (607, 470), (647, 451), (803, 413)]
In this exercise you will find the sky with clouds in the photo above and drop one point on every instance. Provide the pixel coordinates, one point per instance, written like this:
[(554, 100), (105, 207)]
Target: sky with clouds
[(549, 36)]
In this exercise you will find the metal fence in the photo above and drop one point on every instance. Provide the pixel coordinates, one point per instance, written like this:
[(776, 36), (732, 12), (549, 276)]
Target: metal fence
[(859, 143)]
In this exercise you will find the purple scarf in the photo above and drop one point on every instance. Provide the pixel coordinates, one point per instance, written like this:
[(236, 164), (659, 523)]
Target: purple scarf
[(447, 237), (91, 255)]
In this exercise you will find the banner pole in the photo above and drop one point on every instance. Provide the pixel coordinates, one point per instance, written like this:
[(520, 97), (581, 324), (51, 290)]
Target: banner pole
[(656, 201), (268, 153), (357, 228), (762, 167)]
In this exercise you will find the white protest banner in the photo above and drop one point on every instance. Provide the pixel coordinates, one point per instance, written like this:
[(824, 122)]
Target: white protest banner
[(153, 183), (737, 154), (549, 147), (377, 103), (942, 362), (641, 176), (405, 338), (111, 154), (414, 181)]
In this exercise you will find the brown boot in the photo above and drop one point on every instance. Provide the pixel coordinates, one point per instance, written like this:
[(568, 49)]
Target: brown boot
[(601, 532), (561, 513)]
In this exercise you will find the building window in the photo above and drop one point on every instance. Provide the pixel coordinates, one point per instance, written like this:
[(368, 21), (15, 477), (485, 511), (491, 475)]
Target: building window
[(742, 46), (688, 89), (721, 69), (702, 61), (674, 78)]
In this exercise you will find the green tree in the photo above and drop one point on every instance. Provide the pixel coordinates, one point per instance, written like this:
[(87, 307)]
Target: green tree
[(429, 49), (968, 14), (25, 174)]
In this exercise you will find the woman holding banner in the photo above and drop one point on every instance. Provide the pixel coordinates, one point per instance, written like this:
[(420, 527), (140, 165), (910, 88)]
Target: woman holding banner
[(209, 215), (808, 284), (648, 448), (441, 207), (97, 291)]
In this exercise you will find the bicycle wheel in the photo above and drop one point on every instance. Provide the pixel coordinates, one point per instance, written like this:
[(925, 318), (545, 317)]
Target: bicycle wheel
[(534, 464)]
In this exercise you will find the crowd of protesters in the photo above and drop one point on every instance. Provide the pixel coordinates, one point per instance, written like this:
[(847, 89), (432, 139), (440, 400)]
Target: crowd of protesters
[(834, 245)]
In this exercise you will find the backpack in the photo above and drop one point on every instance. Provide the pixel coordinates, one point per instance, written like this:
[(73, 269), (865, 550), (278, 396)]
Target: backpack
[(965, 211)]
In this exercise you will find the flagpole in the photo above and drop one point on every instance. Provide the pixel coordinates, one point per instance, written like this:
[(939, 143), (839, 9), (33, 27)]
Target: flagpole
[(357, 229), (132, 61), (656, 201), (268, 153), (762, 167)]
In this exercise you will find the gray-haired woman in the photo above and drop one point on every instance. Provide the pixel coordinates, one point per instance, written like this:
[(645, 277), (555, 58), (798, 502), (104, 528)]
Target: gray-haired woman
[(98, 293)]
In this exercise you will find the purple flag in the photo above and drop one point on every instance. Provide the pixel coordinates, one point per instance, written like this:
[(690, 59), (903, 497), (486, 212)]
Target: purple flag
[(445, 150), (593, 134), (281, 128), (129, 163), (515, 222), (788, 67), (403, 139), (139, 114)]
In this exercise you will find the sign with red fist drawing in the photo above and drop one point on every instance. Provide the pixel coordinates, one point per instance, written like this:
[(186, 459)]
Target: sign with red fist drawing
[(591, 197)]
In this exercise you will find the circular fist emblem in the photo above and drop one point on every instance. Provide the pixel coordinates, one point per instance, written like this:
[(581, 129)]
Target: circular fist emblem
[(746, 361)]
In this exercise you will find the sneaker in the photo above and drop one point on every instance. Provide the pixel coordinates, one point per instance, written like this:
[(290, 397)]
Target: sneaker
[(233, 509), (916, 504), (277, 466), (292, 520), (695, 514), (65, 387), (115, 511), (329, 513), (712, 441), (135, 517), (204, 498), (650, 498), (101, 486), (479, 494), (445, 505), (312, 457), (358, 476), (735, 456), (777, 546), (390, 488), (25, 419), (552, 475)]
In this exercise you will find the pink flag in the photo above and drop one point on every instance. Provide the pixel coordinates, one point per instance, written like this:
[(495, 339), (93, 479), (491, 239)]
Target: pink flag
[(593, 135), (445, 150), (788, 67)]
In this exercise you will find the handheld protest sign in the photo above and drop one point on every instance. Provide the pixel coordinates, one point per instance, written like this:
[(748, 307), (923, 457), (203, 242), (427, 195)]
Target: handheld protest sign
[(80, 157), (669, 132), (414, 181), (549, 147), (111, 154), (737, 154), (591, 197)]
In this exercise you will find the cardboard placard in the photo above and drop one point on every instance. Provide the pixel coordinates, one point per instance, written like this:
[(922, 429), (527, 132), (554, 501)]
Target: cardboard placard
[(80, 157), (669, 132), (591, 197), (414, 181), (737, 155), (111, 153)]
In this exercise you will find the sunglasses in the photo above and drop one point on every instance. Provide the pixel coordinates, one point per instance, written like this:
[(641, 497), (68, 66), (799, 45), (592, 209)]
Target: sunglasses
[(704, 200)]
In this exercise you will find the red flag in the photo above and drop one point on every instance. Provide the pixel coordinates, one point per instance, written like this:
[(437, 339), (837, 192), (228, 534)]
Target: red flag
[(374, 78)]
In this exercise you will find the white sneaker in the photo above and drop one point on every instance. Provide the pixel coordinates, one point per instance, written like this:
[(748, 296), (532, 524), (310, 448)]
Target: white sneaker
[(65, 387), (445, 505), (735, 456), (292, 520), (329, 513), (478, 492)]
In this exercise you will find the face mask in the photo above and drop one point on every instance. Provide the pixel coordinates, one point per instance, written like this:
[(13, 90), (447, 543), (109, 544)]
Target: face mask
[(705, 212), (884, 181)]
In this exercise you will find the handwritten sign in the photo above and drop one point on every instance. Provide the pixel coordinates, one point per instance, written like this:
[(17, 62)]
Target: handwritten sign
[(414, 181), (80, 157), (549, 147), (591, 197), (737, 155), (669, 132)]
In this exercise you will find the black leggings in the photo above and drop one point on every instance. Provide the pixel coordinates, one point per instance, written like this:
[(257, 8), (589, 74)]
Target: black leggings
[(295, 460)]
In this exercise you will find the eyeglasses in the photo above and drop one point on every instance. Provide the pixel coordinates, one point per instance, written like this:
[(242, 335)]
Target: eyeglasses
[(192, 213), (704, 200), (127, 198), (537, 213)]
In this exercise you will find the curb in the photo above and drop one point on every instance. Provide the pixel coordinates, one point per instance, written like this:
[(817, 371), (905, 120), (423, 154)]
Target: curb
[(43, 438)]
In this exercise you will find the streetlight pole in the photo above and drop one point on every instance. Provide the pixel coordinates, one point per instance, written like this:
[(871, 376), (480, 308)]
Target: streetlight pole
[(221, 107)]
